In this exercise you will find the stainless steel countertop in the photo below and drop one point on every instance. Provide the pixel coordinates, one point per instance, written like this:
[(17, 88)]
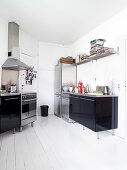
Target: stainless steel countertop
[(9, 94), (89, 95), (13, 94)]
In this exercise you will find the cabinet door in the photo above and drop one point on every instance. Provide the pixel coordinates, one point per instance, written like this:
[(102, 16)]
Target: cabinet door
[(57, 105), (10, 112), (106, 113), (65, 107), (87, 112), (74, 108)]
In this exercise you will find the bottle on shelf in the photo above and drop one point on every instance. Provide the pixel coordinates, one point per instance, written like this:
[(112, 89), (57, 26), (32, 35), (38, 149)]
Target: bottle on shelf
[(83, 90), (73, 90), (80, 84), (76, 89), (87, 88)]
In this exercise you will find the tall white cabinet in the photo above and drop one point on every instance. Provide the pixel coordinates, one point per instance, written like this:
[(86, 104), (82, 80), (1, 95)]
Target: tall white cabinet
[(121, 85), (29, 55)]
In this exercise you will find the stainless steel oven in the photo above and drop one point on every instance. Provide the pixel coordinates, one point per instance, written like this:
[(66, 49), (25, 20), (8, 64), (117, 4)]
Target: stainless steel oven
[(29, 104)]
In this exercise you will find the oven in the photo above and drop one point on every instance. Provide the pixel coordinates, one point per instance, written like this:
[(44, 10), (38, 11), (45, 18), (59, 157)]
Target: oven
[(29, 104)]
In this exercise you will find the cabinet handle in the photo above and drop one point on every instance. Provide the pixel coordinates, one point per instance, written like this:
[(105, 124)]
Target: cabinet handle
[(12, 98), (57, 93), (29, 100), (58, 96), (65, 97), (74, 97), (88, 99)]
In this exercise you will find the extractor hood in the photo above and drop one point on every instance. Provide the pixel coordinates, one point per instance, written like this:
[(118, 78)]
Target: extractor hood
[(13, 62)]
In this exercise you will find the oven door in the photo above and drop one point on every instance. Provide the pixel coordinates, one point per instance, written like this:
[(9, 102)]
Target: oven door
[(28, 108)]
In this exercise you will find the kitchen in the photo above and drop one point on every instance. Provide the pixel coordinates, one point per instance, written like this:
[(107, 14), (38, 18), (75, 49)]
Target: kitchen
[(41, 146)]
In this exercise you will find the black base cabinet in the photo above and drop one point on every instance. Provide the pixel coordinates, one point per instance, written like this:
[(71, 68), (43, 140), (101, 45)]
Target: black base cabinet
[(95, 113), (106, 113), (10, 112)]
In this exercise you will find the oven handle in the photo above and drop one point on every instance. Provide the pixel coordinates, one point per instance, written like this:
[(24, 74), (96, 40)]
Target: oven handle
[(29, 100)]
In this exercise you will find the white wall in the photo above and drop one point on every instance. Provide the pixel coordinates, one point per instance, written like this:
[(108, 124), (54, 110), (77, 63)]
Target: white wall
[(48, 56), (110, 68), (3, 43), (112, 30), (29, 48)]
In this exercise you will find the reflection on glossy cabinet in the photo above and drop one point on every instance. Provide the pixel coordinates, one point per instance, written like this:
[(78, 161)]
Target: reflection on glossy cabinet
[(95, 113), (10, 112), (106, 113), (87, 110), (74, 108)]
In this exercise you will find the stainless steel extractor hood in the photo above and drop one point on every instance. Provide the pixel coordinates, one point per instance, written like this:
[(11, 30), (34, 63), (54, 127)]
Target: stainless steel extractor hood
[(13, 62)]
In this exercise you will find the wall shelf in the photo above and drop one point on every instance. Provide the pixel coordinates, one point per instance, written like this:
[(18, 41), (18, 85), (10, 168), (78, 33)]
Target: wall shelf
[(98, 56), (82, 62)]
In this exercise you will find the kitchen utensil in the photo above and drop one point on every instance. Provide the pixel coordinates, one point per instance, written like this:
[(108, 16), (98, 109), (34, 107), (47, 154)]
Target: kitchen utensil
[(65, 89), (12, 88), (70, 89)]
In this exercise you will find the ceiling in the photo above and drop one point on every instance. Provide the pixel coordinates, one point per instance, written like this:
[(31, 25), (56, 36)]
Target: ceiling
[(59, 21)]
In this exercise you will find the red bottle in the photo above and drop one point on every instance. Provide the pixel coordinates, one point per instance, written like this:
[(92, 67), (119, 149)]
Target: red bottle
[(80, 84)]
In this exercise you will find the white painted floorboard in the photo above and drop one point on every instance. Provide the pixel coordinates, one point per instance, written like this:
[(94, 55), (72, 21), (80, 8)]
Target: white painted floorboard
[(53, 144)]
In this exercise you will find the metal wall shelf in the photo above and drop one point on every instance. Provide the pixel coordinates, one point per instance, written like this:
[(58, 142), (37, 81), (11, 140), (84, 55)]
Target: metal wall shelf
[(98, 56), (82, 62)]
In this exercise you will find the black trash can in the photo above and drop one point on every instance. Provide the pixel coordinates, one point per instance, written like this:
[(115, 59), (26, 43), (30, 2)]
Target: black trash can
[(44, 110)]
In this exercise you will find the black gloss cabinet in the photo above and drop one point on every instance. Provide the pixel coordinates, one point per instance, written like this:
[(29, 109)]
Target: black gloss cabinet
[(10, 112), (95, 113)]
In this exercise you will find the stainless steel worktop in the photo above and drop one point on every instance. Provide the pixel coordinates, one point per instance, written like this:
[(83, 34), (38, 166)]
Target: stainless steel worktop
[(9, 94), (13, 94), (90, 95)]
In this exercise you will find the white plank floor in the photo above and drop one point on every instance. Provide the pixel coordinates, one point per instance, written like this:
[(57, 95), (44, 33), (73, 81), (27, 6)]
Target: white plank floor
[(54, 144)]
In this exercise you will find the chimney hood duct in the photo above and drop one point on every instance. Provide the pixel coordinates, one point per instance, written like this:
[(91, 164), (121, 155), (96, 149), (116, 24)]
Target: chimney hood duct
[(13, 62)]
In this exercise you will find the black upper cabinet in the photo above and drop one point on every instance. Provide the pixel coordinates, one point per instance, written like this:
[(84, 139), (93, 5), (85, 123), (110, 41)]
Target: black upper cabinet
[(96, 113), (10, 112)]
